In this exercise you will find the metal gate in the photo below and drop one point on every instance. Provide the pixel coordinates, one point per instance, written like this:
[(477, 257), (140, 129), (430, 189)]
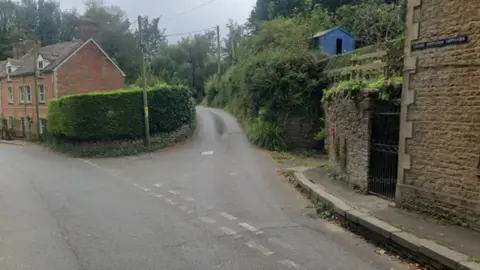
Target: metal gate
[(385, 129)]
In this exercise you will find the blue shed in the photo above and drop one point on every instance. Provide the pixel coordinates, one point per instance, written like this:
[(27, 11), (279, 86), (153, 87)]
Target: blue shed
[(334, 41)]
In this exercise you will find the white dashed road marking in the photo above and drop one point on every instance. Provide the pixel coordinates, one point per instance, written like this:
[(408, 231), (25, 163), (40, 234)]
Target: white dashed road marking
[(146, 189), (170, 201), (184, 209), (289, 264), (279, 242), (259, 247), (188, 199), (227, 231), (173, 192), (250, 228), (159, 195), (207, 220), (158, 185), (227, 216), (207, 153)]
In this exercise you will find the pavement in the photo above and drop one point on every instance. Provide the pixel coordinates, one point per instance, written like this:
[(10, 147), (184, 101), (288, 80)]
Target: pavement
[(213, 202), (442, 244)]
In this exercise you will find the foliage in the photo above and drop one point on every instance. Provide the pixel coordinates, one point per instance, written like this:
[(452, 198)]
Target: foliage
[(44, 20), (119, 114), (384, 87), (267, 135), (372, 21), (189, 62), (343, 88), (276, 76)]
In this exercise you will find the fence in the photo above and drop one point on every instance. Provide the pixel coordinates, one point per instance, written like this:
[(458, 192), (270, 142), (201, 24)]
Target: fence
[(384, 60)]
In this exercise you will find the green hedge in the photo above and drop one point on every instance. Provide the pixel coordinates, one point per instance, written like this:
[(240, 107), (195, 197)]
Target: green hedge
[(119, 114)]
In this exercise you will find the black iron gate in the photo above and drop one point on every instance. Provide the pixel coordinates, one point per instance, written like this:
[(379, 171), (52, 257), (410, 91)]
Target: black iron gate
[(385, 129)]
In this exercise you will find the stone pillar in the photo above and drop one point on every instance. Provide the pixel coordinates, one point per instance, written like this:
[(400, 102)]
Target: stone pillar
[(440, 117)]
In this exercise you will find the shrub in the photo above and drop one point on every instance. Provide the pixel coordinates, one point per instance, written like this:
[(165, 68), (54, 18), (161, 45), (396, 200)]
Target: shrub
[(119, 114), (267, 135)]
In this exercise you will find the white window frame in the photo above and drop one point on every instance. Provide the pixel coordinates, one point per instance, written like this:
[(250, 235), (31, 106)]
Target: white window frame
[(9, 69), (43, 125), (28, 94), (21, 94), (41, 93), (10, 94), (40, 64)]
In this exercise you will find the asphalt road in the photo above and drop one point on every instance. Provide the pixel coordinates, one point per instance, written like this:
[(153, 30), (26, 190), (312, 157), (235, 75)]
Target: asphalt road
[(213, 202)]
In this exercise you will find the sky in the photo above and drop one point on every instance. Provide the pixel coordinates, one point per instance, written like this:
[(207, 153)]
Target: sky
[(213, 13)]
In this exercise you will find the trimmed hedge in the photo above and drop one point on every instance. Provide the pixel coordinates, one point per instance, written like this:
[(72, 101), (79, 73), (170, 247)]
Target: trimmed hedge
[(119, 114)]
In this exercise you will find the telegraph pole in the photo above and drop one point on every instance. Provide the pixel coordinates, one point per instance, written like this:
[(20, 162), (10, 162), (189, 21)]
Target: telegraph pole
[(35, 85), (144, 79), (218, 51)]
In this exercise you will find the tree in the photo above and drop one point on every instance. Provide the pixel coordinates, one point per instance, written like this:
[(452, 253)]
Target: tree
[(372, 21), (152, 36), (189, 62), (68, 25), (115, 36), (49, 21), (8, 29), (236, 33)]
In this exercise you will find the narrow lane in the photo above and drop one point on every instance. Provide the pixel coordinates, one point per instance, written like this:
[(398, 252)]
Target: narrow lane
[(213, 202)]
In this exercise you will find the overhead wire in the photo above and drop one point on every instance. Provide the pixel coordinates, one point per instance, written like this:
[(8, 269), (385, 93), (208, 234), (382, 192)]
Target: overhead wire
[(190, 10), (190, 32)]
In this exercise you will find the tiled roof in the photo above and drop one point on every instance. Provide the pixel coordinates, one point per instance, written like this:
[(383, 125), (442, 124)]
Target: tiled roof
[(55, 54)]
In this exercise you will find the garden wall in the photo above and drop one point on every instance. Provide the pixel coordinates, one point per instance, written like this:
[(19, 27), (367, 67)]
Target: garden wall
[(348, 127)]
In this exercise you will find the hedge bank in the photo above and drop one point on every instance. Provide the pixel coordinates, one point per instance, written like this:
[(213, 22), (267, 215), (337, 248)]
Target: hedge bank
[(118, 115)]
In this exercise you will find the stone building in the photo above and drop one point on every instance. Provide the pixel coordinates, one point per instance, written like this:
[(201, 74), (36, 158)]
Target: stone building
[(439, 158)]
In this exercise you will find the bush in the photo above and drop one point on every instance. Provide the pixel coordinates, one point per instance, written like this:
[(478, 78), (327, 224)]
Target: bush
[(267, 135), (119, 114)]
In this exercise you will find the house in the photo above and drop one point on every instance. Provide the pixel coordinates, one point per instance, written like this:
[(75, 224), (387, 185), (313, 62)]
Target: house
[(66, 68), (334, 41)]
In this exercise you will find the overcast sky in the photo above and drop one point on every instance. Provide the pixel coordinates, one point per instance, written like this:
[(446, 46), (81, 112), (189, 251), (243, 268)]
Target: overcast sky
[(216, 13)]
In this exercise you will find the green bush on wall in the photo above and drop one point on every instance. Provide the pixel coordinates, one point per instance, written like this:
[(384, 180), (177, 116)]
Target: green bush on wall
[(119, 114)]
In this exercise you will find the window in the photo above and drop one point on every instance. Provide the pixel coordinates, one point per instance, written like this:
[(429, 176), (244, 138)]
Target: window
[(41, 93), (9, 69), (10, 95), (29, 94), (43, 125), (40, 64), (21, 95), (339, 46)]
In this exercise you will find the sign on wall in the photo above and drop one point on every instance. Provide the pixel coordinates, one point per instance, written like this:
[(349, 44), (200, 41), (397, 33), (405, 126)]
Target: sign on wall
[(440, 43)]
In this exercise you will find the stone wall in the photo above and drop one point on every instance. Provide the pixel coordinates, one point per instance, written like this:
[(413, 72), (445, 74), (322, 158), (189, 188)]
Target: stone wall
[(439, 158), (349, 141), (301, 132)]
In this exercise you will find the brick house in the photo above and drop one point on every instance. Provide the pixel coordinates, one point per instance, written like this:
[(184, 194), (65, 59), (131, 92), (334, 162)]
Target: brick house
[(66, 68), (439, 157)]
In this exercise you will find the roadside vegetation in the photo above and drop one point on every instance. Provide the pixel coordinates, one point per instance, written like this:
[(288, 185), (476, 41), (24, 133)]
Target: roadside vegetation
[(276, 77), (112, 123)]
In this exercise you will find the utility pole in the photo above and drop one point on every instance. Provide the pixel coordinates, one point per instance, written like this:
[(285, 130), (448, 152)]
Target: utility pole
[(35, 85), (218, 51), (144, 78)]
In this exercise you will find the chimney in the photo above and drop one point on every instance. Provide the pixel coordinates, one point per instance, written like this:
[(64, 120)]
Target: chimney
[(23, 47), (88, 28)]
